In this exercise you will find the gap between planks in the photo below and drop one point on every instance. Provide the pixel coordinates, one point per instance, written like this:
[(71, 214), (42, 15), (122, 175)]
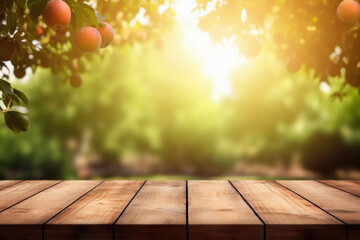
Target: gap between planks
[(187, 204), (43, 225), (357, 194), (27, 196), (250, 207), (113, 225), (346, 225)]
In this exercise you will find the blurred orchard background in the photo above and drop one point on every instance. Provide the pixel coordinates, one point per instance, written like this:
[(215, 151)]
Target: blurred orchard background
[(194, 89)]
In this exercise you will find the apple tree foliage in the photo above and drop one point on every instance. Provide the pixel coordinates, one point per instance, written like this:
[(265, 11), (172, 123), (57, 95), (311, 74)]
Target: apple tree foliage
[(39, 46), (304, 34)]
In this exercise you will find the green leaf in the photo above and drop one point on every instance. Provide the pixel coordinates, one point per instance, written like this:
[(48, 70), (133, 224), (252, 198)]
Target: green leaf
[(20, 109), (36, 7), (82, 12), (11, 21), (5, 87), (76, 18), (15, 98), (22, 96), (90, 13), (6, 100), (4, 83), (81, 15), (76, 21), (16, 120)]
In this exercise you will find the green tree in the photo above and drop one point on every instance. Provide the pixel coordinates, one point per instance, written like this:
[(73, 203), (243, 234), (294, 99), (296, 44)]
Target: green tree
[(28, 42), (304, 34)]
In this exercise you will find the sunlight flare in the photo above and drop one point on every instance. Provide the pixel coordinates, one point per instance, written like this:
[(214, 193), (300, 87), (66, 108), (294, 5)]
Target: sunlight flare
[(218, 59)]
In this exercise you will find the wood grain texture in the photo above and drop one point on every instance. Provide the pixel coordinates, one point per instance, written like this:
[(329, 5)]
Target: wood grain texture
[(85, 210), (347, 186), (288, 216), (92, 217), (24, 220), (342, 205), (18, 192), (7, 183), (158, 211), (217, 211)]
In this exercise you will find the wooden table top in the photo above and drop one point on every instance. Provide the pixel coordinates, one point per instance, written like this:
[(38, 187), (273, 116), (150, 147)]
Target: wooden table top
[(226, 210)]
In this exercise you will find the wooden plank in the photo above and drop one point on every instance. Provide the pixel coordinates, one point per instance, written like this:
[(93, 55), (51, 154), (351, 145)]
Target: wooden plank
[(342, 205), (18, 192), (288, 216), (92, 217), (158, 211), (8, 183), (347, 186), (217, 211), (24, 220)]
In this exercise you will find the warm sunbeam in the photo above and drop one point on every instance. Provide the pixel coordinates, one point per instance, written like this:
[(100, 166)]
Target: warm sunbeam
[(219, 59)]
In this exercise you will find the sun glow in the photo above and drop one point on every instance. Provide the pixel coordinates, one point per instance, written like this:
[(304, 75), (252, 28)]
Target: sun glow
[(219, 59)]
